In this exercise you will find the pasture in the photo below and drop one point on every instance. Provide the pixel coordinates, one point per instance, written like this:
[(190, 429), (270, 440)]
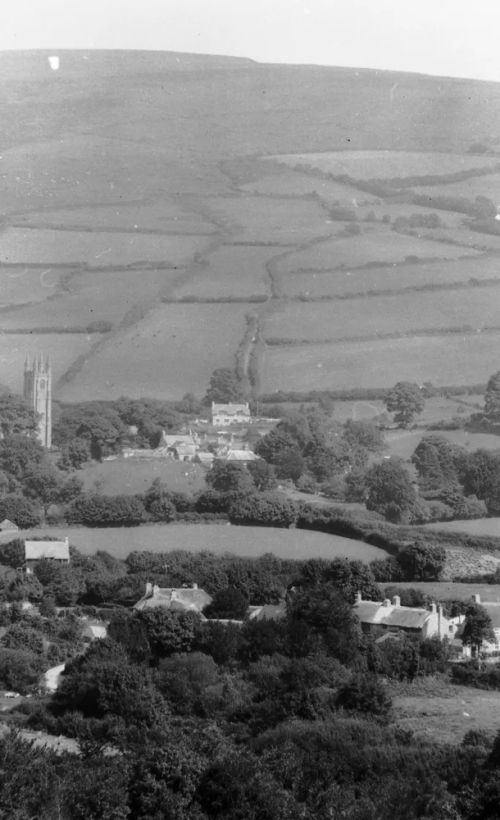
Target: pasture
[(488, 186), (402, 443), (440, 359), (385, 164), (63, 350), (130, 476), (229, 271), (295, 184), (217, 538), (444, 713), (383, 315), (95, 249), (376, 245), (165, 215), (26, 285), (436, 409), (171, 351), (361, 281), (266, 220), (84, 299), (478, 526)]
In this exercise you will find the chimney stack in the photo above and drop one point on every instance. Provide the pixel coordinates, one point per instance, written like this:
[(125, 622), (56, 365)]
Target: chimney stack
[(149, 588), (396, 601), (359, 597), (386, 602), (476, 598), (433, 607)]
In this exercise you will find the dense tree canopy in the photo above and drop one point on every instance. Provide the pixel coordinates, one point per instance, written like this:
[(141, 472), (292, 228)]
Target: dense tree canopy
[(406, 400)]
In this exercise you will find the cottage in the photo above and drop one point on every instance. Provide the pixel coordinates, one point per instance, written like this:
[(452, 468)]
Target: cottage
[(7, 526), (225, 414), (180, 599), (378, 616), (45, 551), (267, 612), (487, 647)]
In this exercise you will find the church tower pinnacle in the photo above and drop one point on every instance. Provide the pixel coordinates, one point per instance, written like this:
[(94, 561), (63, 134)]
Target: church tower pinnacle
[(38, 394)]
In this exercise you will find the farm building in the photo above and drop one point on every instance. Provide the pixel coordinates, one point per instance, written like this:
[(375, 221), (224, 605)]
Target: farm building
[(376, 616), (8, 526), (180, 599), (45, 551), (225, 414)]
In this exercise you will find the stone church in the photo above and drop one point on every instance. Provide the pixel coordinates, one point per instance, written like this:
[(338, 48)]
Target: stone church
[(38, 394)]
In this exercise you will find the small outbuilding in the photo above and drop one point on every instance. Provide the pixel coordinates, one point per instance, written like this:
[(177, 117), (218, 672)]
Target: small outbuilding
[(8, 526), (180, 599), (35, 551)]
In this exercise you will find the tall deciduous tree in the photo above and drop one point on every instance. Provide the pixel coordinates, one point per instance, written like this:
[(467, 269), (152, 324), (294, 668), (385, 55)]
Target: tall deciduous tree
[(16, 416), (224, 387), (406, 400), (477, 627), (389, 490)]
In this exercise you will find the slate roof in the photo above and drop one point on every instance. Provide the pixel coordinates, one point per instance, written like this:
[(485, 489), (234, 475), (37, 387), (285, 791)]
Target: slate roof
[(37, 550), (241, 455), (8, 526), (181, 599), (268, 612), (230, 409), (403, 617)]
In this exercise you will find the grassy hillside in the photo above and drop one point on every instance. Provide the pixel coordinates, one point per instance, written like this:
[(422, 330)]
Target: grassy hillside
[(130, 179)]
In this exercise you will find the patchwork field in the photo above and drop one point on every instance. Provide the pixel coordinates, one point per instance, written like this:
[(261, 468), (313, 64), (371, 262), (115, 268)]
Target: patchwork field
[(450, 591), (63, 351), (266, 220), (388, 164), (243, 541), (402, 443), (19, 285), (446, 359), (375, 246), (165, 215), (95, 249), (81, 302), (152, 161), (488, 186), (316, 284), (383, 315), (293, 183), (230, 271), (166, 354)]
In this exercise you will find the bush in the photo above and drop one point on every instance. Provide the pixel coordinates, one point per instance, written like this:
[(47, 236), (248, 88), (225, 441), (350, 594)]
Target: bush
[(263, 509)]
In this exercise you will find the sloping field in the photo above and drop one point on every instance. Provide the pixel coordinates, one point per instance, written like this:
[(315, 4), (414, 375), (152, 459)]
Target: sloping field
[(374, 247), (130, 476), (479, 526), (360, 281), (243, 541), (170, 352), (164, 215), (97, 250), (383, 315), (20, 285), (388, 164), (266, 220), (293, 183), (448, 359), (488, 186), (84, 299), (402, 443), (229, 271), (63, 350)]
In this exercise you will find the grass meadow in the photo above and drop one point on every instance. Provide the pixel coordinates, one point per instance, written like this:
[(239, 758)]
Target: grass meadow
[(83, 299), (230, 271), (377, 245), (381, 315), (131, 476), (488, 186), (264, 220), (440, 359), (317, 284), (216, 538), (171, 351), (293, 183), (385, 164), (95, 249), (63, 350), (478, 526)]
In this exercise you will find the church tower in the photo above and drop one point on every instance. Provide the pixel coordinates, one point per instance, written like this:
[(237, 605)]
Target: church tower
[(38, 394)]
